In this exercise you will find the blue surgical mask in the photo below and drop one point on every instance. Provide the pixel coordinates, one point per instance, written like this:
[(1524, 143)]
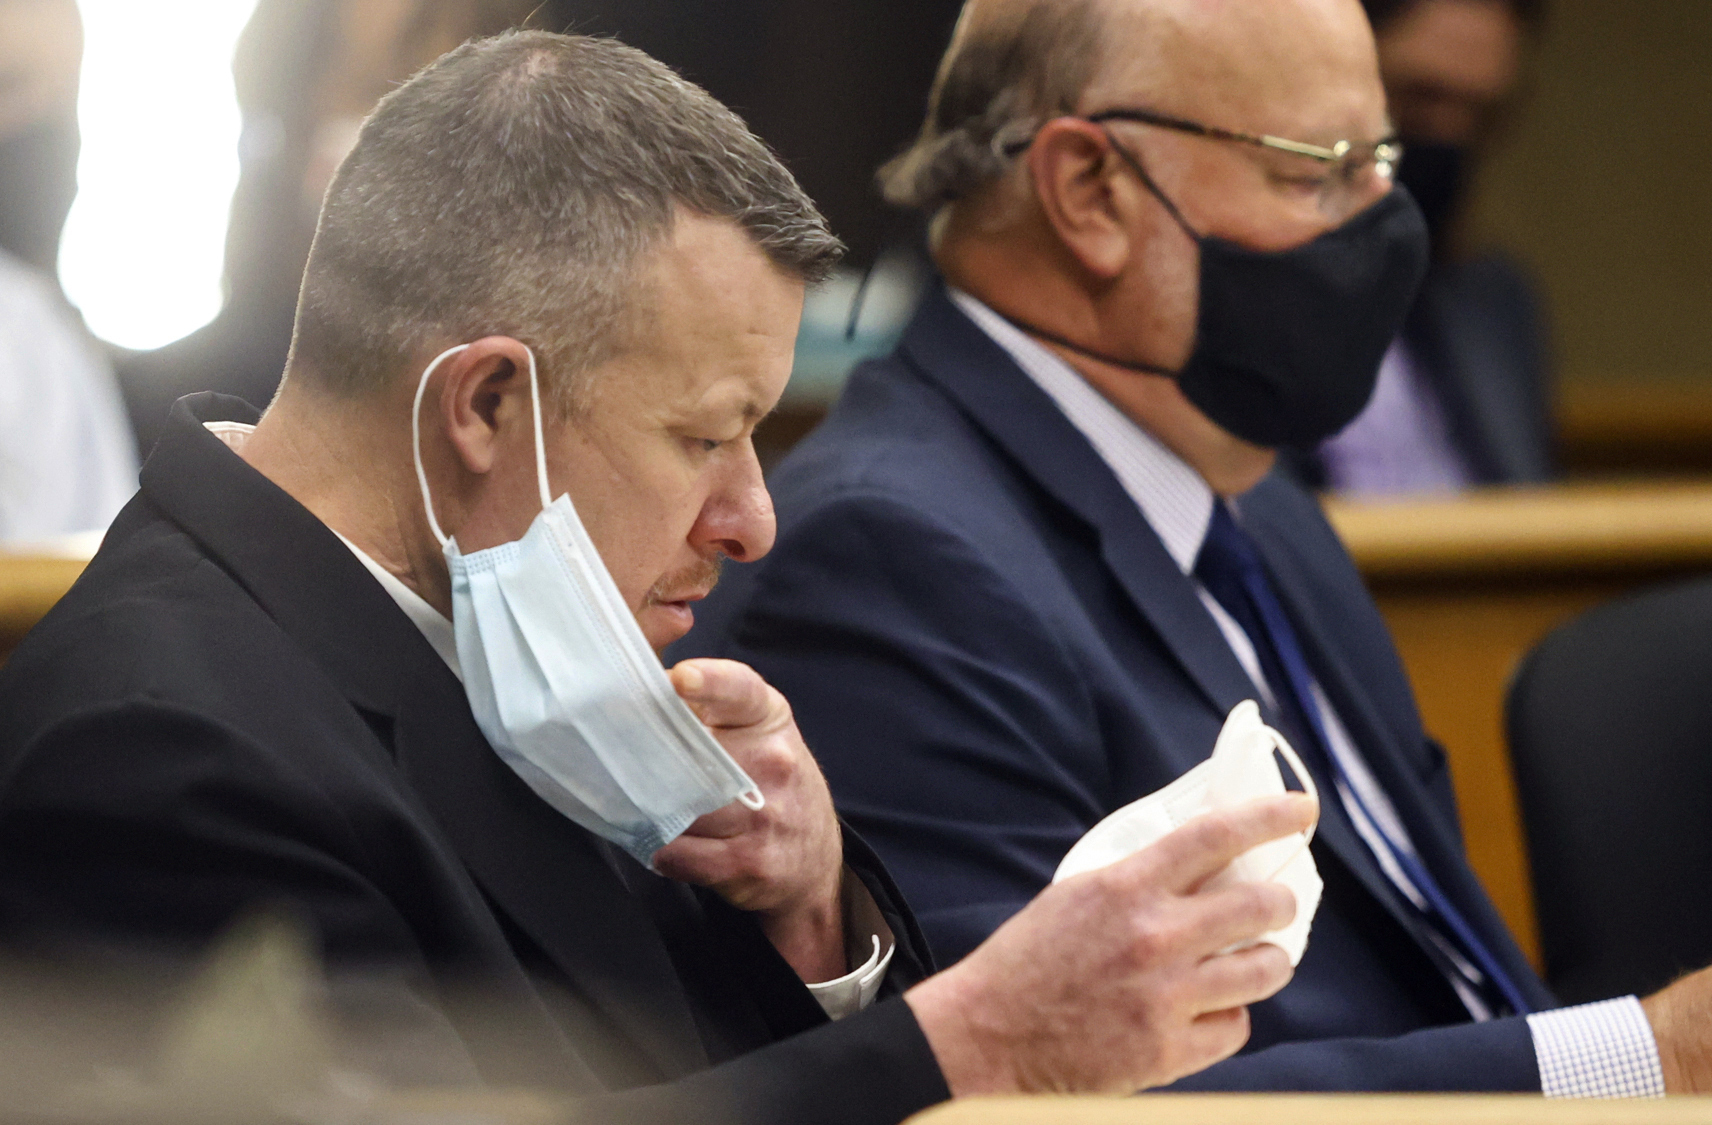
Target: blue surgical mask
[(562, 681)]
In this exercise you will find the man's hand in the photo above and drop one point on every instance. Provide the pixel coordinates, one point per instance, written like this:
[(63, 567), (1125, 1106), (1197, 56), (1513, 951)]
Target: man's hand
[(1112, 981), (1681, 1016), (785, 862)]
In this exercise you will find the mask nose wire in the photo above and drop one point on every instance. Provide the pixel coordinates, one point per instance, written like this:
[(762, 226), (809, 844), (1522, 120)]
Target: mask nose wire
[(416, 436)]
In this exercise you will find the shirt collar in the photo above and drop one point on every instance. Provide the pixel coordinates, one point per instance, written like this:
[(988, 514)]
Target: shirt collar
[(1174, 499), (430, 621)]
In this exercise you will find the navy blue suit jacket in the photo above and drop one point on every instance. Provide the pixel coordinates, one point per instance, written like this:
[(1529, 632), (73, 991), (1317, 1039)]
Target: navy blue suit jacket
[(989, 649)]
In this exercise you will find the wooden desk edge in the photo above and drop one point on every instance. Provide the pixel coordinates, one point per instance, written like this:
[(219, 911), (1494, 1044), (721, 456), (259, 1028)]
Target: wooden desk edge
[(1511, 533), (1316, 1109)]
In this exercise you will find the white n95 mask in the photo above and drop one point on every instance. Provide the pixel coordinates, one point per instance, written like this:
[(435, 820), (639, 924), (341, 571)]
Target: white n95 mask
[(562, 681), (1241, 769)]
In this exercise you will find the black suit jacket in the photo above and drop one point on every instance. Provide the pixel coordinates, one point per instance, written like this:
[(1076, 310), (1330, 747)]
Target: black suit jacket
[(227, 710), (1476, 330), (990, 649)]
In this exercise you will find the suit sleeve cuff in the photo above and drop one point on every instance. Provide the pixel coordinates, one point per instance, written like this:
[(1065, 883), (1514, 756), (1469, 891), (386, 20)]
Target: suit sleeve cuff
[(1603, 1050)]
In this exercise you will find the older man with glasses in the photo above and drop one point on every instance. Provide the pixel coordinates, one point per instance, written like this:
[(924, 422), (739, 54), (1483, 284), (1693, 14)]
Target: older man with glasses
[(1035, 557)]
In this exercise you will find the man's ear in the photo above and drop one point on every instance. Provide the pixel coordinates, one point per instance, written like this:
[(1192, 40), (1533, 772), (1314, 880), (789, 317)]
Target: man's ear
[(1083, 198), (484, 398)]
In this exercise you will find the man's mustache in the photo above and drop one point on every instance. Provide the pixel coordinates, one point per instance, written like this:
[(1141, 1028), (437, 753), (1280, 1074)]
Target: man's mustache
[(700, 578)]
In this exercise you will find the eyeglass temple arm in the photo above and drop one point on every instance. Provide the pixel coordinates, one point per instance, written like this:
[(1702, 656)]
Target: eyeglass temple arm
[(1283, 144), (1267, 140)]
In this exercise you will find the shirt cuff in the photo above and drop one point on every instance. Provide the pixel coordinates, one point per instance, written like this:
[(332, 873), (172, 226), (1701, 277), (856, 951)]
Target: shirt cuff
[(1603, 1050), (865, 932)]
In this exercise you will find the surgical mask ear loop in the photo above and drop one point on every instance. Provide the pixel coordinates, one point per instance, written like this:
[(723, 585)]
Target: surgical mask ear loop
[(416, 436)]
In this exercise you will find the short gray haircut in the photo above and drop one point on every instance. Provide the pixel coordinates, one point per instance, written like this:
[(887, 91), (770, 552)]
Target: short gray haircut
[(999, 82), (510, 188)]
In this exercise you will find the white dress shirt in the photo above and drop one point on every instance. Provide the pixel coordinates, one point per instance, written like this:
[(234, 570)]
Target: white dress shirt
[(1595, 1050), (868, 939)]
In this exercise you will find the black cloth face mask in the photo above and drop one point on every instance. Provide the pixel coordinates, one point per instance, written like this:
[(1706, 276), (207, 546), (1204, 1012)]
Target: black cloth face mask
[(1288, 342)]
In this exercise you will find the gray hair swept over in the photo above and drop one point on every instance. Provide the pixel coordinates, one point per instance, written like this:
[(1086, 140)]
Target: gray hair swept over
[(999, 82), (510, 188)]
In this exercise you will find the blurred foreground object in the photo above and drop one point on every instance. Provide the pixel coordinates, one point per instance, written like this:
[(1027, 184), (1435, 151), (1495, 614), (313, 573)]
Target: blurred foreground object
[(67, 460), (249, 1039), (1469, 584), (1610, 721), (252, 1034), (1464, 396)]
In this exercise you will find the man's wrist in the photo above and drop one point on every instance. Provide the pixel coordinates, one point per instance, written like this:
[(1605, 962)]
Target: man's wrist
[(810, 936), (946, 1013), (1660, 1014)]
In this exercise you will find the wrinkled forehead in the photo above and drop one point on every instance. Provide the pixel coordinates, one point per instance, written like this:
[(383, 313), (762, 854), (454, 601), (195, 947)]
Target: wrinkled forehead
[(1304, 69)]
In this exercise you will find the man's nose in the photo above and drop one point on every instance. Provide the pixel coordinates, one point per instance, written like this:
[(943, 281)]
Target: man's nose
[(738, 519)]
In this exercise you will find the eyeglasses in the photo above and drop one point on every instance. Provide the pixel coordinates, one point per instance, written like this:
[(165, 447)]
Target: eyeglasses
[(1347, 158)]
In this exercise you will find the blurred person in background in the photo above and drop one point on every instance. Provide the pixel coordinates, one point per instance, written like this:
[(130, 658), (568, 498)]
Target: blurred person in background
[(41, 46), (1464, 396), (307, 72), (67, 461)]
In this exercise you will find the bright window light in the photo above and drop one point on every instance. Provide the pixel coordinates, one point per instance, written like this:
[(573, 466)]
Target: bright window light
[(145, 242)]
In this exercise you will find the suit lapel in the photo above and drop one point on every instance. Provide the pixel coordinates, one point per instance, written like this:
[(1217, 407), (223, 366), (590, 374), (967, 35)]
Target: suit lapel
[(543, 870), (948, 349)]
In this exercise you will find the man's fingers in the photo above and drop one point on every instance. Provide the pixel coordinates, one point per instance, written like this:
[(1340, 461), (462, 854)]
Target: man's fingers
[(1206, 845), (693, 859), (1239, 913), (722, 693), (1248, 976), (1214, 1037), (723, 823)]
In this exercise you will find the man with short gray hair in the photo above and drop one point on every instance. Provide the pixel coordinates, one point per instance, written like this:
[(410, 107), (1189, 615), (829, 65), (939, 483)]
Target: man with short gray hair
[(386, 657)]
